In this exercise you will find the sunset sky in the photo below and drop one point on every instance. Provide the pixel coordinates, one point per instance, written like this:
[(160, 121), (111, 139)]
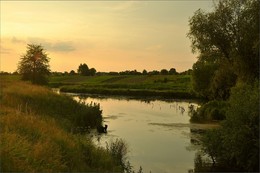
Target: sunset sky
[(106, 35)]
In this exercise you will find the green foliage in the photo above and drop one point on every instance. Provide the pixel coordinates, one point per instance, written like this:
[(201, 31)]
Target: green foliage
[(34, 65), (203, 73), (241, 128), (224, 79), (85, 71), (202, 165), (118, 149), (211, 111), (235, 146), (232, 30)]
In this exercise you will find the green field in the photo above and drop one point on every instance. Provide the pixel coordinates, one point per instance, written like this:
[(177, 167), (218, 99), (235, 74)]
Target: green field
[(174, 86)]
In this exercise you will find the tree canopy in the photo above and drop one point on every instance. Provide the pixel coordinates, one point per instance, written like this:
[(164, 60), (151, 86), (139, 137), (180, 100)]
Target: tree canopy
[(34, 65), (85, 71), (227, 40), (230, 31)]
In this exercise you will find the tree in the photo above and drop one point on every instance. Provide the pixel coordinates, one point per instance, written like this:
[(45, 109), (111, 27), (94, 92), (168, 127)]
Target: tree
[(172, 71), (34, 65), (235, 146), (72, 72), (241, 128), (144, 72), (203, 74), (231, 29), (224, 79), (92, 71), (83, 69), (164, 72)]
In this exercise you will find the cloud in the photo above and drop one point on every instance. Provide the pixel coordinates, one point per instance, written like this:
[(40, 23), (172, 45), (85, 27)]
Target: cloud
[(58, 46), (62, 46), (5, 50), (15, 40)]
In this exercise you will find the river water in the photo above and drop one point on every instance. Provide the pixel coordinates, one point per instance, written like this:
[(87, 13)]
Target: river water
[(157, 132)]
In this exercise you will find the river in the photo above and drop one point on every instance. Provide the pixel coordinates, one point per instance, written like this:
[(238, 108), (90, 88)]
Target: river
[(157, 132)]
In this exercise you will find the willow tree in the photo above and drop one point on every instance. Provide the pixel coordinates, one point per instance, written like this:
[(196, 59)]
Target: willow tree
[(231, 29), (34, 65)]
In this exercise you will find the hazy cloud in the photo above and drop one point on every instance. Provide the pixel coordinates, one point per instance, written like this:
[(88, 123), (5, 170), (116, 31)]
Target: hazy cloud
[(5, 50), (62, 46), (15, 40), (58, 46)]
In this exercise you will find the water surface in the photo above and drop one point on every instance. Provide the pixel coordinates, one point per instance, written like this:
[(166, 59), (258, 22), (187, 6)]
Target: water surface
[(157, 132)]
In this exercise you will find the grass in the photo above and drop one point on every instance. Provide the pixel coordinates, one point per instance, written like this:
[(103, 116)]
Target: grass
[(174, 86), (35, 133), (41, 100)]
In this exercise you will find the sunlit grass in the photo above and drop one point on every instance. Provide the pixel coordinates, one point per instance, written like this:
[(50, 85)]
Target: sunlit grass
[(29, 98), (33, 139)]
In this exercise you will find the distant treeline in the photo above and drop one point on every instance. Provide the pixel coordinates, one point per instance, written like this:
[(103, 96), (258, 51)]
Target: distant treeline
[(172, 71)]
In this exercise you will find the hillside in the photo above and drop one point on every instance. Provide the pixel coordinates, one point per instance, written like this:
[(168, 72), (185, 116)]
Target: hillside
[(36, 132)]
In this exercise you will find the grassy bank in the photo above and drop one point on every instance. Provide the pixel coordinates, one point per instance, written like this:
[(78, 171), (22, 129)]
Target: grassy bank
[(170, 86), (35, 126)]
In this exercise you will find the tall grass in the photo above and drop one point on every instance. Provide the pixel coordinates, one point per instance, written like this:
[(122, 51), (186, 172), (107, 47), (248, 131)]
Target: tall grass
[(31, 143), (34, 135), (40, 100)]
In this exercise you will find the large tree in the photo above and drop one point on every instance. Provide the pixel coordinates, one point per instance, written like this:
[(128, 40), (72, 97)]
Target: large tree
[(85, 71), (34, 65), (231, 29)]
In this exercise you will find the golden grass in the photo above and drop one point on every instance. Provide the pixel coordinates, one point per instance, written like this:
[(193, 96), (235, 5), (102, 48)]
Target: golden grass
[(33, 142)]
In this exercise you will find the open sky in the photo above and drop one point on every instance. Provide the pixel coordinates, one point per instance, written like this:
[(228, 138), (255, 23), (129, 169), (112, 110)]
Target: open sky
[(106, 35)]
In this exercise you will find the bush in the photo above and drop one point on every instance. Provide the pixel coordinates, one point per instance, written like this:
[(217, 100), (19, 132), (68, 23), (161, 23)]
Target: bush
[(235, 146), (241, 128), (118, 149), (211, 111)]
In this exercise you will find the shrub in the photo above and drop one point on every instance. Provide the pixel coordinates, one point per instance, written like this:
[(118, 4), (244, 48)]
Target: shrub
[(118, 149), (235, 146), (211, 111)]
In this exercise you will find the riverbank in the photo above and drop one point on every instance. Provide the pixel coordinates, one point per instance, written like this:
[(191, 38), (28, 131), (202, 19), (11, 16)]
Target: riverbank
[(36, 136), (163, 86)]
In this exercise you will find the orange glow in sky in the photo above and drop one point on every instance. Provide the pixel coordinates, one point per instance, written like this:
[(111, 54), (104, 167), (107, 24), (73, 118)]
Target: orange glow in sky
[(106, 35)]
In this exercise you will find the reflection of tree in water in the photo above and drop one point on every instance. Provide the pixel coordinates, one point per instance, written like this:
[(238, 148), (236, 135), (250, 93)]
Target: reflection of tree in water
[(202, 163)]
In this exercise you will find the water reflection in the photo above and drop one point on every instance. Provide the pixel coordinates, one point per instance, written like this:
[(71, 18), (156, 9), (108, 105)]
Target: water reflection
[(158, 132)]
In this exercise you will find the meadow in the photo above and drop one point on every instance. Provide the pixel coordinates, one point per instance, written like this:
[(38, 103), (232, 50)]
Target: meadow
[(166, 86), (37, 132)]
